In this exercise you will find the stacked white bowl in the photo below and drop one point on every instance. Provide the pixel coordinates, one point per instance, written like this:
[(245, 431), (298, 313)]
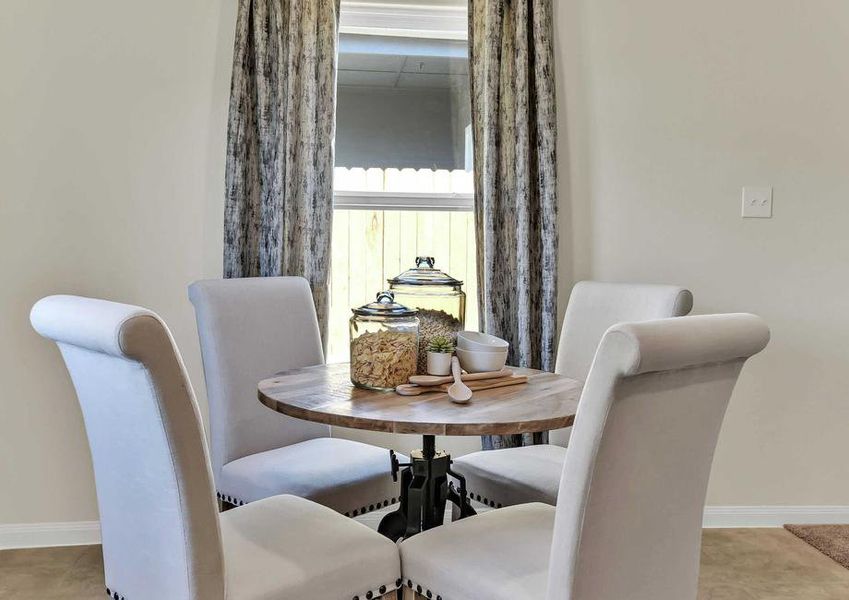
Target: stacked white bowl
[(481, 352)]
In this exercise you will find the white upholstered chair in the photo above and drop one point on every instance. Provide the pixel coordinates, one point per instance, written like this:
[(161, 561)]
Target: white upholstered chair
[(249, 330), (162, 534), (627, 525), (532, 474)]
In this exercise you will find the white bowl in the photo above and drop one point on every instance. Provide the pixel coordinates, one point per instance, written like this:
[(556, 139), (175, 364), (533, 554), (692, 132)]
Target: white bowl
[(482, 342), (475, 361)]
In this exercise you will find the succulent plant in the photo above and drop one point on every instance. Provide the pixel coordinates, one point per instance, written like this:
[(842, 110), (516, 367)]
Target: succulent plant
[(441, 343)]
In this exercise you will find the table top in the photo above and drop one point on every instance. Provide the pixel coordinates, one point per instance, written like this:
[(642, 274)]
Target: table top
[(324, 394)]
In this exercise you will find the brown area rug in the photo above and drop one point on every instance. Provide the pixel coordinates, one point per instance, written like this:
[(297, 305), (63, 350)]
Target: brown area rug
[(831, 540)]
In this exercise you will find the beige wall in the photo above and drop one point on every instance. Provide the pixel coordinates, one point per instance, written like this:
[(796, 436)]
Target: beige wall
[(113, 119), (113, 122), (671, 107)]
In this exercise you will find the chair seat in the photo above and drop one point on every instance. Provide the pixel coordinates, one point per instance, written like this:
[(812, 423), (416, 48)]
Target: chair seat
[(347, 476), (498, 555), (288, 547), (513, 475)]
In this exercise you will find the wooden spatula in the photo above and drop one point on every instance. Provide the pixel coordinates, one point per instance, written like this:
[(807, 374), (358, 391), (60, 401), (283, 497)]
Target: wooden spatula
[(410, 389), (437, 379)]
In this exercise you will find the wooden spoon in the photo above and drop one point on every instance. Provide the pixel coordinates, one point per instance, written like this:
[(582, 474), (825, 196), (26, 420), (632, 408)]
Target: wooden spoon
[(459, 392), (437, 379)]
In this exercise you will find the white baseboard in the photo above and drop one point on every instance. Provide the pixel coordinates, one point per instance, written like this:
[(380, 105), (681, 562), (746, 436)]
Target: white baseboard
[(78, 533), (773, 516), (41, 535)]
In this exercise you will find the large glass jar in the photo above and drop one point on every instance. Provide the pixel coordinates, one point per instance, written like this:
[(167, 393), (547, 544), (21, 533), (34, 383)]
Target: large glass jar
[(437, 296), (384, 344)]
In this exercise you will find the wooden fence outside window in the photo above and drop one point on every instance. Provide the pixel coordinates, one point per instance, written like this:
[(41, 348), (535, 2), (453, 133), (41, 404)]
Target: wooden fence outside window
[(372, 245)]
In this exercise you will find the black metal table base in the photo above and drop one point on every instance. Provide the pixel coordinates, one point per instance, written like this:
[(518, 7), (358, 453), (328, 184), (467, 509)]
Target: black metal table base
[(425, 490)]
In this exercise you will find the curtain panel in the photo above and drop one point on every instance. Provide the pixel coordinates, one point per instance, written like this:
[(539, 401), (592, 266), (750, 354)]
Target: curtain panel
[(279, 174), (511, 60)]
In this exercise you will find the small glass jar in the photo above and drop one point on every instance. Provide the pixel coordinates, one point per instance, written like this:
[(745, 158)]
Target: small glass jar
[(439, 299), (384, 344)]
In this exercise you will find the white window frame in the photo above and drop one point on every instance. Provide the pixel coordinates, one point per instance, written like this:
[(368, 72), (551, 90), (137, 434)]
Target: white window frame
[(420, 21), (403, 201), (415, 21)]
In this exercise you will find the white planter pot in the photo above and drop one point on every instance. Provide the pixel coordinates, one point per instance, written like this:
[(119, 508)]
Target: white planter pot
[(439, 363)]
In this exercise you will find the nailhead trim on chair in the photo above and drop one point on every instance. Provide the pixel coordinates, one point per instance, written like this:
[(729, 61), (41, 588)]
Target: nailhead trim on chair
[(230, 499), (350, 513), (485, 500), (368, 595), (420, 590), (371, 507), (379, 591)]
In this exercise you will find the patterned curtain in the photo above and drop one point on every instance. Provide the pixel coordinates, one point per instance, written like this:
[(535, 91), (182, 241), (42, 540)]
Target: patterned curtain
[(279, 178), (514, 128)]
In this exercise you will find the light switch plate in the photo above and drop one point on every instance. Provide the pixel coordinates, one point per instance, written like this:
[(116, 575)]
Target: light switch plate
[(757, 202)]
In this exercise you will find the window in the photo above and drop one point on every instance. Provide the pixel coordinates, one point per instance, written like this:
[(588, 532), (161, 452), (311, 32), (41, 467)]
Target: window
[(403, 184)]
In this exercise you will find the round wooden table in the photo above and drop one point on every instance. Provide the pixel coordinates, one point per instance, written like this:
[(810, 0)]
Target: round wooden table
[(324, 394)]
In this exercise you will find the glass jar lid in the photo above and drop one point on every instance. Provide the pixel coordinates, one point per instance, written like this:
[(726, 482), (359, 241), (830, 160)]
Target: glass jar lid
[(425, 273), (384, 306)]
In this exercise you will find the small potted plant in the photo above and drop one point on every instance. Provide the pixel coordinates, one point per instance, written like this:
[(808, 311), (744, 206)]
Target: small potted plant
[(439, 351)]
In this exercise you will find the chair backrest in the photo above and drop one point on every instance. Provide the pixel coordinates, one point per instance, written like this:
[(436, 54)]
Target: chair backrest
[(249, 330), (629, 510), (595, 306), (158, 515)]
